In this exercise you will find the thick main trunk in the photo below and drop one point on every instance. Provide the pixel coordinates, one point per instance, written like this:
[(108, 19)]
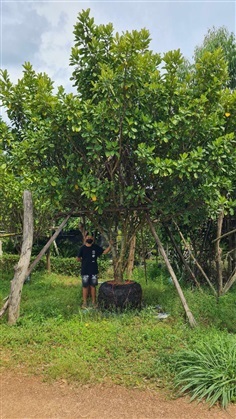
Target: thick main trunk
[(191, 319), (118, 266), (130, 265), (23, 264), (119, 262)]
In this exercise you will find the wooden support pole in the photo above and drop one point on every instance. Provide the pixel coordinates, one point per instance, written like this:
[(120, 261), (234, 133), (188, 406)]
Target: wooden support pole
[(229, 283), (37, 259), (47, 245), (22, 266), (218, 253)]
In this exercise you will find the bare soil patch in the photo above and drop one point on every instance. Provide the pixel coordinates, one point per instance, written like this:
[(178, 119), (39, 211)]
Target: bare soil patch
[(28, 397)]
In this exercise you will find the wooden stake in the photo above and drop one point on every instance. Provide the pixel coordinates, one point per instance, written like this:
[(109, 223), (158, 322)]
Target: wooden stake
[(37, 259), (22, 266)]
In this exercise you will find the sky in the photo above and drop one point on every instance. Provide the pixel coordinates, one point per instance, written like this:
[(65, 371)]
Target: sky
[(41, 32)]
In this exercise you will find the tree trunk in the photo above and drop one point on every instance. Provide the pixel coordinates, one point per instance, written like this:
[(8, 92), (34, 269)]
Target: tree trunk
[(191, 319), (119, 258), (130, 265), (23, 264)]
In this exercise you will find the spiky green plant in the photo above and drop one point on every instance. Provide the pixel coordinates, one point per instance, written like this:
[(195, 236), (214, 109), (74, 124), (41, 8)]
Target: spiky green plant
[(209, 372)]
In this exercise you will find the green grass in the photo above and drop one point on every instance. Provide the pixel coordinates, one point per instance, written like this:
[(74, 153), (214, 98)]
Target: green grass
[(55, 338)]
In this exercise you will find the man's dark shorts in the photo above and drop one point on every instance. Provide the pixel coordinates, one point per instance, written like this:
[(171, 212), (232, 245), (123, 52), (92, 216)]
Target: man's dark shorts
[(89, 280)]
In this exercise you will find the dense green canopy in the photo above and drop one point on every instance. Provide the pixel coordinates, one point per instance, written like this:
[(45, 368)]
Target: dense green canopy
[(144, 133)]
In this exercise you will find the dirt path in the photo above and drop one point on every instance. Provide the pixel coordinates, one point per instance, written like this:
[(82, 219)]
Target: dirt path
[(25, 397)]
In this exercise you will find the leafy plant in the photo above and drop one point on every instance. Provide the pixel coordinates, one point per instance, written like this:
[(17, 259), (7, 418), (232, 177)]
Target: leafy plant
[(209, 372)]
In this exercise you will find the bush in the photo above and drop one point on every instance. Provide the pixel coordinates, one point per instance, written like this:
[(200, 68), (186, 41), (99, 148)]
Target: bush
[(8, 262), (209, 371), (63, 266)]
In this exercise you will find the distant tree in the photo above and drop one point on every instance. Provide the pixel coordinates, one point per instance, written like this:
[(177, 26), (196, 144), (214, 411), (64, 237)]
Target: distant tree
[(27, 147), (220, 38), (10, 196)]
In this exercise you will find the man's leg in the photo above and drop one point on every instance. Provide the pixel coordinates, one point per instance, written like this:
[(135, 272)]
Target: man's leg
[(85, 289), (85, 295), (93, 284), (93, 294)]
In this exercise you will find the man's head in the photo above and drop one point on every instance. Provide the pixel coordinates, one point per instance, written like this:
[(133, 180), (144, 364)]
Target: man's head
[(89, 240)]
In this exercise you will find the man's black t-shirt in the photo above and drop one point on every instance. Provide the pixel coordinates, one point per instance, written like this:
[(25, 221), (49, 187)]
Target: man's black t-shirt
[(89, 257)]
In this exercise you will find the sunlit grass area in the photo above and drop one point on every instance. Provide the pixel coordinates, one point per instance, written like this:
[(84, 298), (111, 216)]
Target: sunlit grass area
[(56, 339)]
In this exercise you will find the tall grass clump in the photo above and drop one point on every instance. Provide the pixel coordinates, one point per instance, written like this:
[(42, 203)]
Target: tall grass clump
[(209, 371)]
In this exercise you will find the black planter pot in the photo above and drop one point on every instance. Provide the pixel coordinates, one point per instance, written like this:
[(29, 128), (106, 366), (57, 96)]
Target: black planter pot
[(113, 296)]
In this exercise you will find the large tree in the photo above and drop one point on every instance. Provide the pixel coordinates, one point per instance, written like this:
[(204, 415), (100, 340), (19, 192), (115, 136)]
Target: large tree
[(158, 139), (140, 135)]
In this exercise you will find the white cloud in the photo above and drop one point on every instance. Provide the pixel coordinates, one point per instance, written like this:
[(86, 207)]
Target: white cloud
[(21, 30)]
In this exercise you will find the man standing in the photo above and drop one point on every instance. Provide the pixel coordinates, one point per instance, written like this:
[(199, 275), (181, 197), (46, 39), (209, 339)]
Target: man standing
[(88, 255)]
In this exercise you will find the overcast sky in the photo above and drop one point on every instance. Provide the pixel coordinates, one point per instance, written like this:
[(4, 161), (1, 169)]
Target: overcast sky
[(41, 32)]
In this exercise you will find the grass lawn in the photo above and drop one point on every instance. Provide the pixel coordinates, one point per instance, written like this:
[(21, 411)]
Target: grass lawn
[(57, 339)]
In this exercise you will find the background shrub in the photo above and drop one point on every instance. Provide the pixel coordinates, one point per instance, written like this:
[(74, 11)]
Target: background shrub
[(59, 265)]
